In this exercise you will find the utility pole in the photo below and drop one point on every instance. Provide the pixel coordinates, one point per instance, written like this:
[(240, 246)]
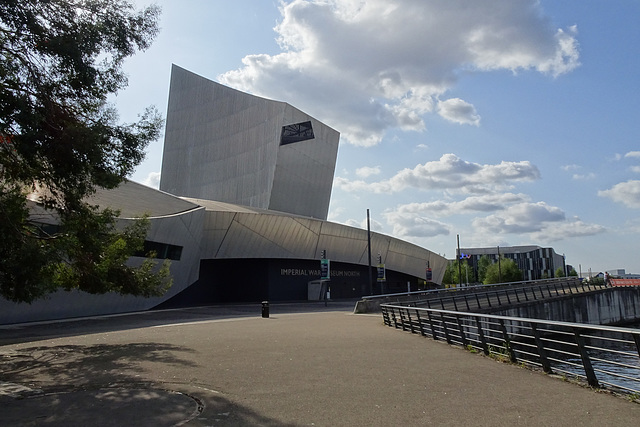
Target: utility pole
[(459, 261), (499, 267), (369, 251)]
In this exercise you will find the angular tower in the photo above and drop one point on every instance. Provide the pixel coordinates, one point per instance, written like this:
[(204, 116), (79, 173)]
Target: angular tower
[(229, 146)]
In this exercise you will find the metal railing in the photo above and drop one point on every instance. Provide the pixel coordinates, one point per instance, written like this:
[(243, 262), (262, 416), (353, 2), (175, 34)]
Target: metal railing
[(516, 294), (604, 357), (469, 288)]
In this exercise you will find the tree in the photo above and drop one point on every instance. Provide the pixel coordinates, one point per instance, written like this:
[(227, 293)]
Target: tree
[(452, 273), (483, 263), (448, 277), (60, 140), (505, 271)]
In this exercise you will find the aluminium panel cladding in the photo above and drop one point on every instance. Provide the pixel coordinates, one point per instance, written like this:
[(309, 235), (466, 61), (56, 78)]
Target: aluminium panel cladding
[(223, 144), (347, 244), (304, 170), (220, 143), (267, 234)]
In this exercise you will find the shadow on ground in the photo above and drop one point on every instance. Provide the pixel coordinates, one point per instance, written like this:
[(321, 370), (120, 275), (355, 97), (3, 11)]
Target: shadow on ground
[(81, 365), (104, 385)]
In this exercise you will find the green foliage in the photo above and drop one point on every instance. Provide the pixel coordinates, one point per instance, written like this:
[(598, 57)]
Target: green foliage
[(505, 271), (97, 261), (60, 60), (452, 273), (483, 263), (559, 272), (573, 273), (448, 277)]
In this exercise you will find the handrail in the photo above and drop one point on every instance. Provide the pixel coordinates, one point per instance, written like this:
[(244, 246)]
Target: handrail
[(471, 288), (603, 356), (490, 299)]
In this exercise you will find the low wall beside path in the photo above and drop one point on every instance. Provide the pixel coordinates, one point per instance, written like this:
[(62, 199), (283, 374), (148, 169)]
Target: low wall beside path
[(610, 306)]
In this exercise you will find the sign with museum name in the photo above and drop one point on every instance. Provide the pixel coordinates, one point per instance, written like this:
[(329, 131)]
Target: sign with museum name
[(316, 272)]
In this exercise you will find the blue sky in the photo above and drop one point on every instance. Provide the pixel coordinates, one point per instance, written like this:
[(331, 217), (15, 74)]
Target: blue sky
[(506, 122)]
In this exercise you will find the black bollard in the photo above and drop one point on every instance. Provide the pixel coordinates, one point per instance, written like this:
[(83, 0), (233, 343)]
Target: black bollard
[(265, 309)]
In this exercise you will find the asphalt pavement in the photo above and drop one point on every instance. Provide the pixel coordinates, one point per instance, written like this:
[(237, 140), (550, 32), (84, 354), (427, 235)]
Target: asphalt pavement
[(304, 365)]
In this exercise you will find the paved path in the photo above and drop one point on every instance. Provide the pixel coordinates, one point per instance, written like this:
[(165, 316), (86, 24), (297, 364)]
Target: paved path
[(304, 365)]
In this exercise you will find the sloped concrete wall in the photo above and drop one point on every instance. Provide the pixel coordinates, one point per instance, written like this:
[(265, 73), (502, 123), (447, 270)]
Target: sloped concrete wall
[(606, 307)]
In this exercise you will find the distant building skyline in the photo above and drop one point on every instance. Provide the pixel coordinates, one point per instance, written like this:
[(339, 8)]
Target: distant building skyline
[(535, 262)]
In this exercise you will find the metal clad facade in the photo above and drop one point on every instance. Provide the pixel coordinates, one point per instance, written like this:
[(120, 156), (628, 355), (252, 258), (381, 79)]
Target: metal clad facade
[(223, 144)]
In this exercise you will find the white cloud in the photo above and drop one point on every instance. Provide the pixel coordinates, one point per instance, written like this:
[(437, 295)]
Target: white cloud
[(520, 218), (458, 111), (409, 225), (575, 227), (632, 225), (365, 67), (582, 177), (152, 180), (484, 203), (367, 171), (513, 215), (627, 193), (635, 154), (449, 173), (375, 225), (540, 221), (569, 168)]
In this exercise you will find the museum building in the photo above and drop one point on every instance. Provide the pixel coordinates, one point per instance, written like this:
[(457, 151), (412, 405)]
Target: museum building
[(242, 212)]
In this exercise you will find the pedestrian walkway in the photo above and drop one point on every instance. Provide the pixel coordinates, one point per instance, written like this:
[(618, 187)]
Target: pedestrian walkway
[(302, 366)]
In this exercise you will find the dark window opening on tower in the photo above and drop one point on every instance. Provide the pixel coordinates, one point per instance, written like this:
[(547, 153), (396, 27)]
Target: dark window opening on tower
[(296, 133), (160, 250)]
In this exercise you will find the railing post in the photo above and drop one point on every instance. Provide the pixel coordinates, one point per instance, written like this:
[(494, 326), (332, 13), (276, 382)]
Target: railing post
[(402, 322), (586, 362), (420, 323), (433, 328), (507, 342), (385, 316), (542, 352), (410, 321), (636, 339), (466, 301), (483, 341), (446, 330), (463, 337)]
